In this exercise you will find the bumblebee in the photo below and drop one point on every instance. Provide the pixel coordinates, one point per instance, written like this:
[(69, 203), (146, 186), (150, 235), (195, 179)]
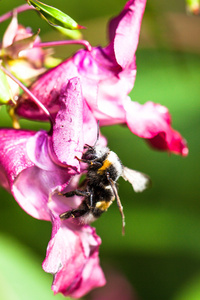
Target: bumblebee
[(100, 188)]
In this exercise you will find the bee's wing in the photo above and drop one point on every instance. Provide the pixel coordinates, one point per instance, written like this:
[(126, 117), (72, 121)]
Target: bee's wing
[(138, 180)]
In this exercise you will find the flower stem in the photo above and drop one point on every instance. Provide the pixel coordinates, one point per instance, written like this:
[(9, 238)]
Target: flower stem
[(26, 90), (85, 43), (18, 10)]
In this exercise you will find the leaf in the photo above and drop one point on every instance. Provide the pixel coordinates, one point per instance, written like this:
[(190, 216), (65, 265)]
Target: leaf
[(190, 290), (21, 274), (54, 16)]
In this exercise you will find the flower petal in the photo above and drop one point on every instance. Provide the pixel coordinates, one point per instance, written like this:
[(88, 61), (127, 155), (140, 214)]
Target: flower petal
[(47, 89), (10, 32), (67, 137), (31, 182), (124, 32), (72, 256), (30, 190), (104, 84), (13, 158), (106, 76), (152, 121), (89, 126), (37, 148)]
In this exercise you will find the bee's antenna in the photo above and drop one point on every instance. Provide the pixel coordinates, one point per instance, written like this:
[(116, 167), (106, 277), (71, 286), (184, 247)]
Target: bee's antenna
[(118, 201)]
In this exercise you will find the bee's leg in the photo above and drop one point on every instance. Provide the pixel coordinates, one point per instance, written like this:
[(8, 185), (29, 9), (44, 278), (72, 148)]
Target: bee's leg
[(75, 213), (90, 198), (77, 193), (90, 162)]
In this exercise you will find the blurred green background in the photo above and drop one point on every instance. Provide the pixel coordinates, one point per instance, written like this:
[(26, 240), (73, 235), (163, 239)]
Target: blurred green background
[(160, 253)]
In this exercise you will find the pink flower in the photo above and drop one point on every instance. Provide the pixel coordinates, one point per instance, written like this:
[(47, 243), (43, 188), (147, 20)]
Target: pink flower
[(152, 121), (18, 43), (107, 76), (35, 167), (19, 56)]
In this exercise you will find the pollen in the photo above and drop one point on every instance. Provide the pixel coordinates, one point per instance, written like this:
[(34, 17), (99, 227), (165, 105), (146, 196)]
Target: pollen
[(105, 166), (103, 205)]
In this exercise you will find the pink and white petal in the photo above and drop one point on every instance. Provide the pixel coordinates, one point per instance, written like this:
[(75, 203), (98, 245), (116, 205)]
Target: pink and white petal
[(67, 136), (13, 158), (60, 204), (10, 32), (92, 277), (89, 125), (38, 151), (33, 189), (30, 185), (94, 64), (37, 148), (124, 32), (31, 193), (93, 67), (153, 122), (47, 90), (71, 255)]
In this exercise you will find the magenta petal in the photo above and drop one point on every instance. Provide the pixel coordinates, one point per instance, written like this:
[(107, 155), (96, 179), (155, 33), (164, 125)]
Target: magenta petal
[(72, 256), (31, 182), (124, 31), (47, 90), (38, 151), (172, 141), (106, 74), (152, 121), (30, 190), (92, 277), (90, 127), (13, 158), (34, 188), (67, 138), (21, 174)]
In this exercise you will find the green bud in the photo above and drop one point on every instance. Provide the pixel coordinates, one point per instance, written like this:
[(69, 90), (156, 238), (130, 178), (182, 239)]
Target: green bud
[(54, 16)]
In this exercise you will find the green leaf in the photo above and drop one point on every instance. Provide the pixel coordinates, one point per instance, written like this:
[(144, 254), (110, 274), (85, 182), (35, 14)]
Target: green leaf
[(5, 94), (54, 16), (21, 274), (190, 290)]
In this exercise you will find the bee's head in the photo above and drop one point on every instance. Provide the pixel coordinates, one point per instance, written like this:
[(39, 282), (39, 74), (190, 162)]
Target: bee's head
[(94, 152)]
